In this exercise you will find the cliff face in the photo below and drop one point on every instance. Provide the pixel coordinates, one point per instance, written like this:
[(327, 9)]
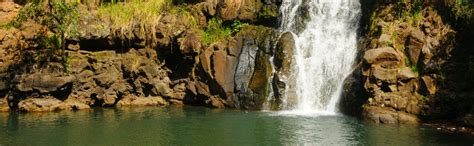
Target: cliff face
[(177, 60), (415, 60), (408, 53)]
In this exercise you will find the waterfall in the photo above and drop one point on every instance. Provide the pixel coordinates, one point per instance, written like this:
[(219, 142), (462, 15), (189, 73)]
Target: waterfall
[(325, 33)]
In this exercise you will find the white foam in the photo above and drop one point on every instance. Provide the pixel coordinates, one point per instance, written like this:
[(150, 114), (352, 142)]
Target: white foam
[(324, 55)]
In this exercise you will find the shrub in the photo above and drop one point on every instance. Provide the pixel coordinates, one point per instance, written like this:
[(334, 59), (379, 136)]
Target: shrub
[(59, 16), (215, 31)]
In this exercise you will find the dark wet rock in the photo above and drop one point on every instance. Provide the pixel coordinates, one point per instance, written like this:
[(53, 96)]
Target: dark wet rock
[(4, 85), (468, 120), (283, 61)]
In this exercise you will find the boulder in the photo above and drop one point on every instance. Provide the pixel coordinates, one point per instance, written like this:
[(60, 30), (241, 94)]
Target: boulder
[(388, 116), (107, 74), (199, 88), (283, 61), (191, 43), (406, 118), (241, 9), (44, 83), (384, 40), (215, 102), (8, 11), (259, 83), (162, 88), (4, 82), (40, 104), (468, 120), (108, 97), (415, 41), (429, 84), (72, 104), (284, 52), (384, 74), (179, 91), (406, 73), (219, 61), (386, 56), (380, 115), (250, 9), (142, 101), (4, 105)]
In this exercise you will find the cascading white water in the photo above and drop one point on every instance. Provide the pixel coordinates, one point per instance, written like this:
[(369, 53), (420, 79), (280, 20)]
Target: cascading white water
[(325, 50)]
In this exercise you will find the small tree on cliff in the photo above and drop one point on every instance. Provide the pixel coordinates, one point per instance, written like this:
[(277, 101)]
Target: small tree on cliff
[(59, 16)]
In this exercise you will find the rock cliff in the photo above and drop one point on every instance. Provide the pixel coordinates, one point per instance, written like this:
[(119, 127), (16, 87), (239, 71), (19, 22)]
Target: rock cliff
[(105, 66)]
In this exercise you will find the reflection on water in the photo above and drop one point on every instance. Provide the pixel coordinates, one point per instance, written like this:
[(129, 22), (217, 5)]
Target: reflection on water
[(202, 126)]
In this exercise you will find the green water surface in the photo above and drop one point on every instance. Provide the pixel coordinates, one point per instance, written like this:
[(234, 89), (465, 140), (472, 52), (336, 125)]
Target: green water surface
[(203, 126)]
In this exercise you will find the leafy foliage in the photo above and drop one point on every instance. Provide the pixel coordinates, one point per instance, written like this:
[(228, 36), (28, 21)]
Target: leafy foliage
[(59, 16), (215, 31)]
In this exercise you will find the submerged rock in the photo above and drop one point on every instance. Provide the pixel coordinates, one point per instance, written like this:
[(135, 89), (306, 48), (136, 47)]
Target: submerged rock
[(388, 116), (142, 101)]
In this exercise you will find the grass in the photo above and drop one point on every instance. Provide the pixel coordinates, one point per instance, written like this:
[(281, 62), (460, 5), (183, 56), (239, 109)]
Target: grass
[(215, 31), (463, 9), (124, 16)]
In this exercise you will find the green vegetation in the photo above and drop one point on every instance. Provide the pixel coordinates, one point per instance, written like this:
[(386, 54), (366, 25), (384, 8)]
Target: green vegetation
[(410, 12), (414, 69), (269, 12), (126, 16), (424, 99), (463, 9), (216, 31), (59, 17), (185, 12), (142, 17)]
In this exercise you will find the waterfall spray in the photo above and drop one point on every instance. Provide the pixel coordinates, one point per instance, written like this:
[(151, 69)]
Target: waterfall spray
[(325, 50)]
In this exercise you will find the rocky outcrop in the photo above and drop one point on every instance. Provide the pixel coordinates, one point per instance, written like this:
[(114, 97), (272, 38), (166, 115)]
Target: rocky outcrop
[(283, 61), (398, 65), (254, 70), (8, 11), (108, 66), (234, 72)]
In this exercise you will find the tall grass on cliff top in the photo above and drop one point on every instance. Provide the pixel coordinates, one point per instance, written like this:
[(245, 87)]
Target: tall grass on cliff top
[(124, 16)]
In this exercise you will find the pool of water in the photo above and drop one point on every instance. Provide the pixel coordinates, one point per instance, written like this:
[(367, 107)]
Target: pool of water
[(203, 126)]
